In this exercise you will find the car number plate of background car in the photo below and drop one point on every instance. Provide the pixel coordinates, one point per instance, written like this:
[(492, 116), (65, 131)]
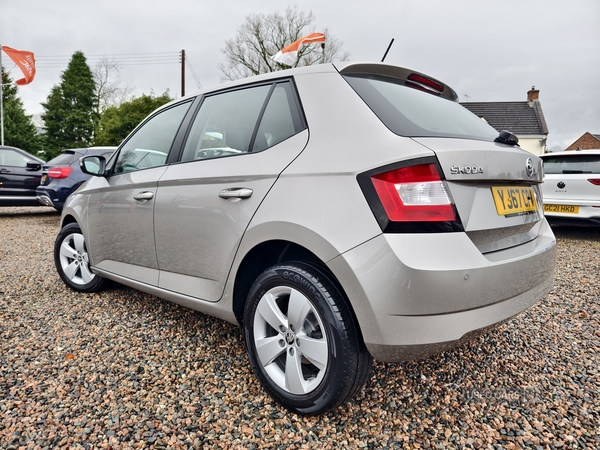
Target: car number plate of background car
[(566, 209), (513, 199)]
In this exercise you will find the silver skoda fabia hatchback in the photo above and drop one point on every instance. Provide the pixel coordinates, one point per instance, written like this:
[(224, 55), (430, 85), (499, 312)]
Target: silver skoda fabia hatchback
[(338, 213)]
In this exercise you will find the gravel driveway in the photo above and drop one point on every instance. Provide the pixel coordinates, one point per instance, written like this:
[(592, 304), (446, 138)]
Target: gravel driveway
[(122, 369)]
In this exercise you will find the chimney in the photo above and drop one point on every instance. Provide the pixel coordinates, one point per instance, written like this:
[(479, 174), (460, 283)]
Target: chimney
[(533, 94)]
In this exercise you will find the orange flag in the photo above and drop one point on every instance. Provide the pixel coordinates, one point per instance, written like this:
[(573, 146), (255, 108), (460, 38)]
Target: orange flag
[(289, 55), (25, 61)]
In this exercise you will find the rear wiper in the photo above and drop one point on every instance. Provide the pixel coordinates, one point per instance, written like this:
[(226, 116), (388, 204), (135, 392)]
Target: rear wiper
[(506, 137)]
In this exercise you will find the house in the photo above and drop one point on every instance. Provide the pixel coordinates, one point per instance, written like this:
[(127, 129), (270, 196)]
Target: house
[(524, 119), (588, 141)]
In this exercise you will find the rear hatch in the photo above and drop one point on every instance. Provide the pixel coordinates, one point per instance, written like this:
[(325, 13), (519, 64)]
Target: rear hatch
[(494, 185), (61, 165), (496, 190), (572, 179)]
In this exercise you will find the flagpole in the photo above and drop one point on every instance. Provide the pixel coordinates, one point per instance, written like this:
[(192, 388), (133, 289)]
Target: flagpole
[(1, 99)]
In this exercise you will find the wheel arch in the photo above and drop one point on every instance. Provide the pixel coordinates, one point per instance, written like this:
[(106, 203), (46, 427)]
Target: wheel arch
[(261, 257)]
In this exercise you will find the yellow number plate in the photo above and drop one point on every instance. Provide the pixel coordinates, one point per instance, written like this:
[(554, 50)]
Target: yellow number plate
[(566, 209), (43, 179), (513, 199)]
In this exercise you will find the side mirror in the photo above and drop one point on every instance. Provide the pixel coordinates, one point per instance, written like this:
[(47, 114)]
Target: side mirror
[(93, 165), (33, 166)]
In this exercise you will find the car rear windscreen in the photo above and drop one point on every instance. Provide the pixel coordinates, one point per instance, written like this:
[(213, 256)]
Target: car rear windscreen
[(576, 163), (412, 113), (64, 159)]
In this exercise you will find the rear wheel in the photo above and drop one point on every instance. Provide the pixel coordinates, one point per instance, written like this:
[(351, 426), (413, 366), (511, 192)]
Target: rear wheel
[(72, 261), (303, 341)]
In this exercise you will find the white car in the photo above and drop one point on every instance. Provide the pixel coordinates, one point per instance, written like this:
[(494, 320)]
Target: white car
[(571, 187)]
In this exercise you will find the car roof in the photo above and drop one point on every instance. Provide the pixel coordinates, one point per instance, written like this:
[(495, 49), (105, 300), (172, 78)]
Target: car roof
[(571, 153), (375, 68)]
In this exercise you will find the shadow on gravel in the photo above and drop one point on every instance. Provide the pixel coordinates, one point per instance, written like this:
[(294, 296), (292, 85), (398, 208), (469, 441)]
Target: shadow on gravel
[(12, 212), (577, 233)]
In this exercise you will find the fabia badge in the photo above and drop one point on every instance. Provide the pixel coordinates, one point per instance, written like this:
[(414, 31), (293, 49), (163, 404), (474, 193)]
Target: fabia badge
[(468, 170), (529, 167)]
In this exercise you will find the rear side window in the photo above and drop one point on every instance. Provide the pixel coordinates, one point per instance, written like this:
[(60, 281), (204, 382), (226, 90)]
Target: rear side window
[(226, 124), (412, 113), (576, 163)]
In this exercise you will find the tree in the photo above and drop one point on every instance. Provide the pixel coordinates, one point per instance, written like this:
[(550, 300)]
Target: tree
[(262, 35), (116, 122), (109, 91), (71, 107), (19, 130)]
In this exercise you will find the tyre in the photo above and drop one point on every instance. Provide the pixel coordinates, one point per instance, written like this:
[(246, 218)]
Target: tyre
[(72, 261), (303, 340)]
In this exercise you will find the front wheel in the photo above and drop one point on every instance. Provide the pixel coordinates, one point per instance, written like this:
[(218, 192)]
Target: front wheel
[(72, 261), (303, 341)]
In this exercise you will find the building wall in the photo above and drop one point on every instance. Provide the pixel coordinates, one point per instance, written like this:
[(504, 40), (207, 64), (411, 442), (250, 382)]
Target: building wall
[(532, 145), (585, 142)]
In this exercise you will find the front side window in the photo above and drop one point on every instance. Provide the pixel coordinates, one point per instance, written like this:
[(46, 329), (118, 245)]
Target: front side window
[(11, 158), (226, 122), (150, 145)]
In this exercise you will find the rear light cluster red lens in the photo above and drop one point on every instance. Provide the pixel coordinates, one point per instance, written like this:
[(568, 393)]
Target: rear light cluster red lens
[(414, 193), (60, 172), (411, 197), (595, 181)]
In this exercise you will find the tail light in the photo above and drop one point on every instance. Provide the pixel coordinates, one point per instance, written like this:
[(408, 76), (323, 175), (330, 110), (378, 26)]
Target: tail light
[(595, 181), (60, 172), (411, 198)]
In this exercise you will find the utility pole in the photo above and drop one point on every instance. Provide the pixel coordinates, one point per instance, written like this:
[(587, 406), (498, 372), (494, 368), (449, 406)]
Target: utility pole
[(183, 73)]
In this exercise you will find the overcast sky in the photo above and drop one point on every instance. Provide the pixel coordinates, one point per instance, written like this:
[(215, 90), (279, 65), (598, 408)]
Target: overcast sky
[(492, 50)]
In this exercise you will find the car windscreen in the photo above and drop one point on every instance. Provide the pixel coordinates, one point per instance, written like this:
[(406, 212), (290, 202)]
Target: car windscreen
[(412, 113), (576, 163)]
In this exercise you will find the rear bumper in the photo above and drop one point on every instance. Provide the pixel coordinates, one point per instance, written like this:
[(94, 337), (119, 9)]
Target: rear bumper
[(415, 295), (49, 197)]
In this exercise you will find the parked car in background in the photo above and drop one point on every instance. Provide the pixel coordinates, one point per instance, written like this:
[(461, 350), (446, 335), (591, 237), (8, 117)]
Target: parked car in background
[(337, 212), (20, 175), (62, 175), (572, 187)]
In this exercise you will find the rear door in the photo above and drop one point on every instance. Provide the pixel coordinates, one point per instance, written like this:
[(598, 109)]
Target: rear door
[(238, 145)]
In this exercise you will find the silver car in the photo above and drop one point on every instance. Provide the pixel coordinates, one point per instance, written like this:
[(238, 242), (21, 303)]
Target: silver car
[(571, 187), (338, 213)]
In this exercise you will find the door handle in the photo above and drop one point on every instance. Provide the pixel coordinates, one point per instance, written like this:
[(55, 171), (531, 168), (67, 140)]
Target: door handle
[(3, 170), (236, 193), (143, 196)]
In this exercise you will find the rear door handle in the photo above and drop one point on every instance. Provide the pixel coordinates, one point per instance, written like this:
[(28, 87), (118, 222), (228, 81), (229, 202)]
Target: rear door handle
[(143, 196), (236, 193), (3, 170)]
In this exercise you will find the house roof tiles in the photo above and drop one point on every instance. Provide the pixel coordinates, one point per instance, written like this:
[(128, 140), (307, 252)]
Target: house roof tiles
[(520, 118)]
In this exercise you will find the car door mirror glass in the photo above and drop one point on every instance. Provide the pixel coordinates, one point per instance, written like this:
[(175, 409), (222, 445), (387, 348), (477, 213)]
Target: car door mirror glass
[(93, 165)]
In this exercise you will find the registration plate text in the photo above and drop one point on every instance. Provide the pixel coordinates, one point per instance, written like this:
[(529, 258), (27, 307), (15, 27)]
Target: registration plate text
[(513, 199)]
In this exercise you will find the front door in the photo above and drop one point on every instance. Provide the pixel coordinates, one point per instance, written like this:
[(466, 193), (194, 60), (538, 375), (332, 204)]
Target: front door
[(121, 205)]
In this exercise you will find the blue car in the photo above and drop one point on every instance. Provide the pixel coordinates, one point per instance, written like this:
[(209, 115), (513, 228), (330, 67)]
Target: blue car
[(62, 175)]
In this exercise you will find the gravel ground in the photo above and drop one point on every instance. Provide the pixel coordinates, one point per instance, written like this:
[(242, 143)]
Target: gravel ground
[(122, 369)]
